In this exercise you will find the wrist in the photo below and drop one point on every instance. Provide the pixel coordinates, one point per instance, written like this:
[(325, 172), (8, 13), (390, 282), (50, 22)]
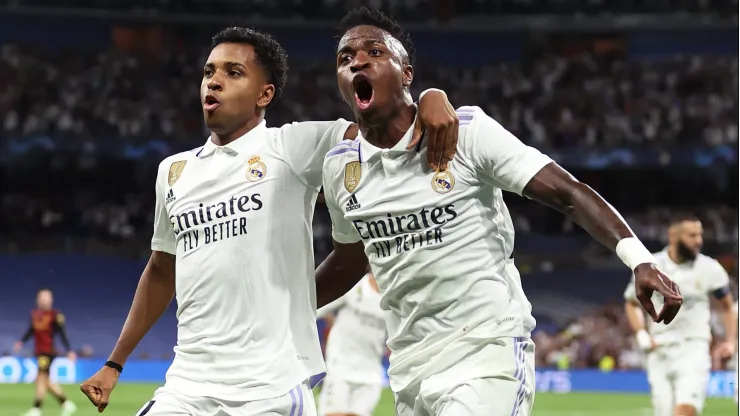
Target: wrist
[(114, 365), (633, 253), (644, 340), (430, 90)]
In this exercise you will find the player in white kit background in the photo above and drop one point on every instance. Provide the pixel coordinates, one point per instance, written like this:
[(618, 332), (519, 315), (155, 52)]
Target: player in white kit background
[(678, 360), (354, 352), (233, 242), (440, 242)]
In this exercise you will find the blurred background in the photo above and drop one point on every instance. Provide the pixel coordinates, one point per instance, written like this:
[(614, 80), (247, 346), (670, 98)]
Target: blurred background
[(639, 99)]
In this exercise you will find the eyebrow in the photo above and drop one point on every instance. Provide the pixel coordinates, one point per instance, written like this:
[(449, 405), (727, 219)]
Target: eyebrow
[(229, 64), (366, 42)]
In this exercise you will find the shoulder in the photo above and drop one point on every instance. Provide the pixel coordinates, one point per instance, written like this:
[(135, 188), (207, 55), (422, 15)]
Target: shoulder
[(309, 128), (59, 317), (708, 263), (176, 163), (342, 153)]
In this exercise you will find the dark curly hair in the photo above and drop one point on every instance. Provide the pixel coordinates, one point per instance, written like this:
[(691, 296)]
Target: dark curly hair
[(364, 16), (269, 54)]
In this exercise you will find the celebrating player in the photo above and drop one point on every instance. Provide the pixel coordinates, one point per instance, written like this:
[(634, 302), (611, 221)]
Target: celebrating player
[(354, 352), (440, 242), (232, 240), (678, 360), (46, 322)]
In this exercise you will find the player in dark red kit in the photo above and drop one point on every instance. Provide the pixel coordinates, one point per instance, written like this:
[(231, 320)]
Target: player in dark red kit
[(46, 322)]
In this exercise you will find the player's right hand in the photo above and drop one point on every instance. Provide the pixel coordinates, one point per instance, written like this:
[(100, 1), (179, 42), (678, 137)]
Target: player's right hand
[(649, 279), (99, 387), (17, 347)]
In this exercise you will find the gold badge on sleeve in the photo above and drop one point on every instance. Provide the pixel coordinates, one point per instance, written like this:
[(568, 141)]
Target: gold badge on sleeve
[(176, 169), (352, 175)]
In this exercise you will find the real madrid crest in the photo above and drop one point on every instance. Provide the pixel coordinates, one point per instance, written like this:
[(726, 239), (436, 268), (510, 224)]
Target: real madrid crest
[(352, 175), (175, 171), (443, 181), (256, 169)]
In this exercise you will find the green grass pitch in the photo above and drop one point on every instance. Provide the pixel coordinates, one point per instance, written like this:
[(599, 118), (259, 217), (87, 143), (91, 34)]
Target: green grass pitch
[(128, 398)]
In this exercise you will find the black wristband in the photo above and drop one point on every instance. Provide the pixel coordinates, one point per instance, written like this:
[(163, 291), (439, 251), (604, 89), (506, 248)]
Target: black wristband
[(114, 366)]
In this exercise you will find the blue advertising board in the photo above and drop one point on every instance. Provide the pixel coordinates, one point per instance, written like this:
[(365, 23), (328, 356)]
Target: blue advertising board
[(23, 370)]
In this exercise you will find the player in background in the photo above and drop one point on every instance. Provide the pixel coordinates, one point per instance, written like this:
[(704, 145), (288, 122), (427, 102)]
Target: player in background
[(46, 323), (678, 361), (354, 352), (440, 242), (233, 242)]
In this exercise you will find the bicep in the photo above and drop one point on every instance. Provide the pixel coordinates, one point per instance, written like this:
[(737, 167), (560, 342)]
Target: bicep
[(162, 265), (553, 186)]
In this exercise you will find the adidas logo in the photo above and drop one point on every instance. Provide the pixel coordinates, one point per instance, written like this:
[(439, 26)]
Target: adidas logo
[(352, 204), (170, 197)]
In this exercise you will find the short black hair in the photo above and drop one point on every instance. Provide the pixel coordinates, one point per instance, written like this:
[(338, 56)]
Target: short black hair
[(364, 16), (681, 218), (270, 55)]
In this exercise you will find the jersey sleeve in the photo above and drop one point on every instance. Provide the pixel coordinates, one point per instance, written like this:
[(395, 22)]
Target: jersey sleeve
[(499, 158), (717, 279), (342, 230), (163, 238), (304, 145)]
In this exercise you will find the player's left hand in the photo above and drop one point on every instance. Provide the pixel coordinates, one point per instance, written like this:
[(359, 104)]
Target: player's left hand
[(72, 356), (649, 279), (437, 120)]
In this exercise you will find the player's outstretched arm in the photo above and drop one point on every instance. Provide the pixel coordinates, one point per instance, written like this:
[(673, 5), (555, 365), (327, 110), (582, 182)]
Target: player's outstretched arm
[(555, 187), (153, 294), (340, 272), (26, 336)]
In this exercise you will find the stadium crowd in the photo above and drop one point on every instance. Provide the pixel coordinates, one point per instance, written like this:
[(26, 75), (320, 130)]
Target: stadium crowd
[(404, 9), (549, 101)]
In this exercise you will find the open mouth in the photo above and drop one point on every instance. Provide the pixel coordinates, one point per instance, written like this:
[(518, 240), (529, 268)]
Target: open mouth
[(211, 103), (363, 92)]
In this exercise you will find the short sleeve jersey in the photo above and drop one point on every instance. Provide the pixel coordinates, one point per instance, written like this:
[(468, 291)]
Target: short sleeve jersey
[(238, 219), (439, 243)]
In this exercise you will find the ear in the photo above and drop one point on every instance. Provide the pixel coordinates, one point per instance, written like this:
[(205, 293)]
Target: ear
[(266, 96), (408, 75)]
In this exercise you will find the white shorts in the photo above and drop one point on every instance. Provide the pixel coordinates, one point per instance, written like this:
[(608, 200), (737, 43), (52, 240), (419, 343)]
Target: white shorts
[(166, 402), (678, 375), (507, 391), (345, 397)]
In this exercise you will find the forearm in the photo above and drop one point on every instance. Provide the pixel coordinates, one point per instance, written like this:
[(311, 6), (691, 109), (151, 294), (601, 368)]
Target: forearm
[(340, 272), (729, 319), (153, 294), (27, 335), (63, 336), (635, 317)]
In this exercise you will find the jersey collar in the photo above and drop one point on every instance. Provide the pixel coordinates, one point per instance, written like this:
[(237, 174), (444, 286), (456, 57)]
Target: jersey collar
[(237, 146), (368, 151)]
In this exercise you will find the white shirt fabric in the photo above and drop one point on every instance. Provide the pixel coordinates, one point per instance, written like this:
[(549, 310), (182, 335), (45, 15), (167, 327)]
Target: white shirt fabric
[(441, 257), (356, 344), (697, 280), (238, 219)]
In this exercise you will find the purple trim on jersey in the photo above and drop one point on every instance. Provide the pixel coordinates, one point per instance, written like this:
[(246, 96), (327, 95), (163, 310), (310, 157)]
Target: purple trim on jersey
[(344, 147), (292, 399), (300, 395), (201, 149), (315, 379), (721, 292), (520, 373)]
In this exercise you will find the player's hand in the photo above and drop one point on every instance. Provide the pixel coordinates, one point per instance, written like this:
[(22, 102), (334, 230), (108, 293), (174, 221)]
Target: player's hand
[(72, 356), (724, 350), (99, 387), (17, 347), (649, 279), (437, 120)]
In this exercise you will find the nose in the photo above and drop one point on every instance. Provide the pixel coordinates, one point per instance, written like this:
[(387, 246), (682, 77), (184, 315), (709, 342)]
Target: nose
[(360, 63), (214, 85)]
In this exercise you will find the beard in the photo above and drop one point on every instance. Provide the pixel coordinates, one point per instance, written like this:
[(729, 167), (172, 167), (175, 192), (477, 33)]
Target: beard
[(685, 252)]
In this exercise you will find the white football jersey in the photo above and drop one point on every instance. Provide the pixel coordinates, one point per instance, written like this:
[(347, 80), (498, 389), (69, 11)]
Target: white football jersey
[(238, 219), (356, 344), (697, 280), (439, 244)]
